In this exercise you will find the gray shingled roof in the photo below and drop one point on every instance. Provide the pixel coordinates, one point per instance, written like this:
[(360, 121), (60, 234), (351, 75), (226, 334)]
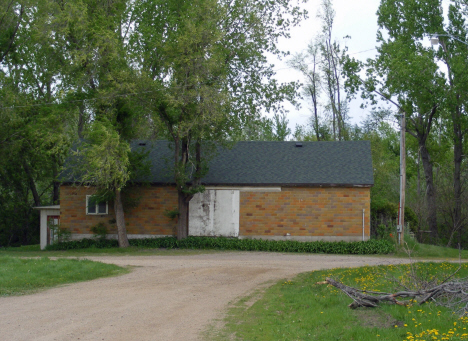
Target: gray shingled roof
[(274, 163)]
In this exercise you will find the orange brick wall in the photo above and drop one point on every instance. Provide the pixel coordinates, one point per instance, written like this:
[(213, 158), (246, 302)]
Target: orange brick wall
[(147, 218), (301, 212), (305, 212)]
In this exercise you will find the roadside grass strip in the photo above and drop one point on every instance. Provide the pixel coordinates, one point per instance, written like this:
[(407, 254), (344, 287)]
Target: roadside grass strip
[(35, 251), (428, 251), (19, 276), (300, 309), (201, 245)]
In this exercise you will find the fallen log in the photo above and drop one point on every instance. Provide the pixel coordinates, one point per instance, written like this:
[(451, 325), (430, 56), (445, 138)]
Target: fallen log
[(453, 294)]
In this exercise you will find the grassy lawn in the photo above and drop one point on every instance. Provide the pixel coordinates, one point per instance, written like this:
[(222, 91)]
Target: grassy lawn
[(19, 276), (35, 251), (423, 251), (300, 309), (430, 251)]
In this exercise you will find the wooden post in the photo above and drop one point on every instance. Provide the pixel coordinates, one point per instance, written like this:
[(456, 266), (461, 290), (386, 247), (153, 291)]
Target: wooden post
[(401, 211)]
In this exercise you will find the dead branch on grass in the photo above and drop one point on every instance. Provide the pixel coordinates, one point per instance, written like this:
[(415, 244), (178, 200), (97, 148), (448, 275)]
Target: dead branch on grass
[(453, 294), (448, 292)]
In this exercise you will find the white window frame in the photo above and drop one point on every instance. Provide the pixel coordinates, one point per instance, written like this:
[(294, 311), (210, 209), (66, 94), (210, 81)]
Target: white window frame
[(96, 206)]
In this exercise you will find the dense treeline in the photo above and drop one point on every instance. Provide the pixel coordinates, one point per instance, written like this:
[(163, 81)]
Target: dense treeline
[(191, 71), (107, 72), (428, 85)]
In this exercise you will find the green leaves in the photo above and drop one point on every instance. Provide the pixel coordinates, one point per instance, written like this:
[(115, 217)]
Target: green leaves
[(104, 158), (221, 243), (410, 18)]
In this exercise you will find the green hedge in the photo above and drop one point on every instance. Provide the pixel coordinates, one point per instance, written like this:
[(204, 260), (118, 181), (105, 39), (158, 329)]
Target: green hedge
[(221, 243)]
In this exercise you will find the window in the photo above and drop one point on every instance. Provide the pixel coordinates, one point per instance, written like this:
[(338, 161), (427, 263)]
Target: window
[(93, 206)]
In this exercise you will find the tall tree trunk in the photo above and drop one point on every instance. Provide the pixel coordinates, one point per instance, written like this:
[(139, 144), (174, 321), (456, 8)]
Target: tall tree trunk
[(316, 125), (419, 172), (13, 33), (55, 184), (339, 111), (56, 193), (32, 184), (420, 129), (184, 198), (81, 120), (120, 220), (457, 162), (313, 93), (181, 159), (330, 85), (457, 146), (183, 222), (430, 191)]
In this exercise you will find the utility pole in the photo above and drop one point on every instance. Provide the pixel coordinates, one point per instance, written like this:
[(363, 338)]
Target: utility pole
[(401, 210)]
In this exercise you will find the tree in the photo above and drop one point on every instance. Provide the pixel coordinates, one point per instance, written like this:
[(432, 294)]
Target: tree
[(203, 63), (406, 75), (71, 69), (332, 70), (104, 163), (441, 94), (265, 129), (377, 128), (453, 52), (412, 76), (66, 70), (11, 16), (302, 62), (99, 77), (34, 134), (322, 65)]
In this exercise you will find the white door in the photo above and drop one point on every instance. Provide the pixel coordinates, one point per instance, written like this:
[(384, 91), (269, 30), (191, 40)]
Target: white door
[(214, 213)]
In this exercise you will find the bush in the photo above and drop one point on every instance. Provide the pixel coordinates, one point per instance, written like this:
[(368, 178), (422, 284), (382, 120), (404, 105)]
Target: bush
[(388, 232), (221, 243), (100, 231), (83, 244)]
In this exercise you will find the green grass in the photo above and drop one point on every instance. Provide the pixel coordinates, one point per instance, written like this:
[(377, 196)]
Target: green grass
[(300, 309), (417, 251), (19, 276), (35, 251), (429, 251)]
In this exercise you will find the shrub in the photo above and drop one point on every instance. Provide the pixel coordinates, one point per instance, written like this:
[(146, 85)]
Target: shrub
[(221, 243), (100, 231), (172, 214), (84, 244)]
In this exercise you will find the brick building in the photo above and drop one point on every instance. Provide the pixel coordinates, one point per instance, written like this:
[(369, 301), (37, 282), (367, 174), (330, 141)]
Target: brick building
[(276, 190)]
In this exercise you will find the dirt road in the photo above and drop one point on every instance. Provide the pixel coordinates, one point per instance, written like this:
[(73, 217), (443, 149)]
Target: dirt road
[(163, 298)]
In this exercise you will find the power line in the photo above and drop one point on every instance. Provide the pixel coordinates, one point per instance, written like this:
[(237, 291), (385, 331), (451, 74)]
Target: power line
[(363, 51)]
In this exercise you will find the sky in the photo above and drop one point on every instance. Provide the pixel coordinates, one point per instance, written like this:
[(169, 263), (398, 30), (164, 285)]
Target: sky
[(356, 19)]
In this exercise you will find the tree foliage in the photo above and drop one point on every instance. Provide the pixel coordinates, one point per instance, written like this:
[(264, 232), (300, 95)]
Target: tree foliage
[(322, 66), (195, 72), (203, 64), (427, 85)]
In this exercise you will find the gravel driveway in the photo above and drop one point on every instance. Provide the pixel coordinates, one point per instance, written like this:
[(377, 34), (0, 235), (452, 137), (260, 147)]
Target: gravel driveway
[(163, 298)]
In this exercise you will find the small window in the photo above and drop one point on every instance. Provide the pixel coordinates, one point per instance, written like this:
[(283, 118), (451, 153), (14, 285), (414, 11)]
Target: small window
[(93, 206)]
